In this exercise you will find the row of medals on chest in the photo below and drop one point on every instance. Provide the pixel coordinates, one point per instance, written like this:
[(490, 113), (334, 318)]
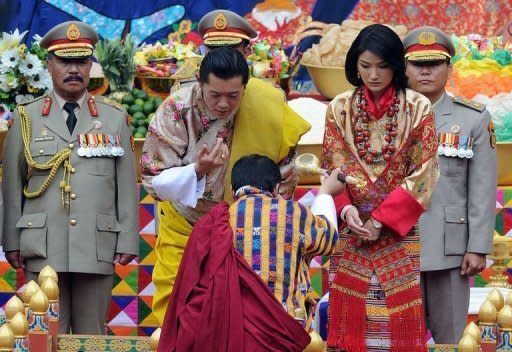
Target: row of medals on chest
[(455, 145), (99, 144)]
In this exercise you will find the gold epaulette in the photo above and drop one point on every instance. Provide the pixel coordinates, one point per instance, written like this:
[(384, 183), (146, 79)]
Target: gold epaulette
[(33, 100), (108, 101), (470, 104)]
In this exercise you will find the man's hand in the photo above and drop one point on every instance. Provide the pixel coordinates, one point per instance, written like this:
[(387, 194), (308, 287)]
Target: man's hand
[(209, 160), (123, 259), (472, 264), (331, 184), (14, 258)]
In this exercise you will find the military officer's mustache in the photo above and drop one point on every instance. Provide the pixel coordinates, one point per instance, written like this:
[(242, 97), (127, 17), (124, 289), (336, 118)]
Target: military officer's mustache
[(73, 78)]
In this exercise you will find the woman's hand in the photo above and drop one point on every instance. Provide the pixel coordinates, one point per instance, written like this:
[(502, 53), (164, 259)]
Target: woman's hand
[(374, 232), (355, 224)]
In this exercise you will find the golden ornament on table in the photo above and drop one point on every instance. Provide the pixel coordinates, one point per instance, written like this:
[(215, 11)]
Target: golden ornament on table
[(505, 318), (496, 298), (500, 255), (474, 331), (467, 344)]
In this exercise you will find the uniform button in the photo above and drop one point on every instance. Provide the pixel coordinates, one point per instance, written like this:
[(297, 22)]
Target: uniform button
[(73, 170), (71, 145), (72, 222), (73, 196), (29, 224), (462, 220), (109, 227), (41, 151)]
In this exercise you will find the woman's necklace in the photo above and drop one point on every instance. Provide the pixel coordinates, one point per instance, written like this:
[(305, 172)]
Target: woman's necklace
[(363, 134)]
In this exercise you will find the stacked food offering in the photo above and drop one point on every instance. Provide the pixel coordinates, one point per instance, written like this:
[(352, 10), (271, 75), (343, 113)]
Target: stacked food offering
[(325, 61), (487, 62)]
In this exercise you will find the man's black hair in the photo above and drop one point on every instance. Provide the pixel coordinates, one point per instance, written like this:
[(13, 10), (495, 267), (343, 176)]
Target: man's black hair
[(257, 171), (224, 62)]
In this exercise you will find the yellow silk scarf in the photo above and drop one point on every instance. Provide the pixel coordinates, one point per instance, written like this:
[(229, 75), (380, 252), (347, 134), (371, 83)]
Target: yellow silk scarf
[(264, 125)]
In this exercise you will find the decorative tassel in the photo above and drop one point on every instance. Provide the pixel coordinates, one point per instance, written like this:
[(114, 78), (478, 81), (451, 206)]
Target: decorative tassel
[(348, 313)]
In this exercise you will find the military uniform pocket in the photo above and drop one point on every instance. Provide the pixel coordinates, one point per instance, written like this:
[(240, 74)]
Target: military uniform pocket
[(455, 231), (41, 153), (106, 237), (33, 234), (452, 166), (102, 166)]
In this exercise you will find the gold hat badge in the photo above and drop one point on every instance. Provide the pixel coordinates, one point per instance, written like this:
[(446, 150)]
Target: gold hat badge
[(73, 33), (220, 22), (426, 38)]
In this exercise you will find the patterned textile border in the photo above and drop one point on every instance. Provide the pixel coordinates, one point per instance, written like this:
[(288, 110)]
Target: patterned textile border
[(442, 348), (71, 343), (453, 16)]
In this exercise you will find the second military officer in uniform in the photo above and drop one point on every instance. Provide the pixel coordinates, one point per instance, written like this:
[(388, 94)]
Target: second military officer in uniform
[(456, 232), (69, 180)]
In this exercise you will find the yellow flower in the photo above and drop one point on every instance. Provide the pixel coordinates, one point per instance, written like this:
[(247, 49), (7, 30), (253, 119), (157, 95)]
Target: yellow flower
[(185, 26), (140, 58), (174, 37)]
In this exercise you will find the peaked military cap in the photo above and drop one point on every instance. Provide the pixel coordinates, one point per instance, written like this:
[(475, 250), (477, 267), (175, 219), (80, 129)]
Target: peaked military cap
[(224, 27), (72, 39), (428, 43)]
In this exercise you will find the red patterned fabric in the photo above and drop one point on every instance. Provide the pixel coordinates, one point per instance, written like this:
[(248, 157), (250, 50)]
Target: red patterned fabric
[(453, 16), (384, 103), (388, 258), (219, 304), (341, 201), (399, 211)]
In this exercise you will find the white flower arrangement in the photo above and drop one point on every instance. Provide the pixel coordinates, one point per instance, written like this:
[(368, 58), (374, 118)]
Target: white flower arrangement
[(23, 74)]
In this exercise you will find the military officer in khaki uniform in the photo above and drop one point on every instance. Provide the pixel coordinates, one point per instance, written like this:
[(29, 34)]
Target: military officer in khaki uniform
[(69, 179), (456, 232)]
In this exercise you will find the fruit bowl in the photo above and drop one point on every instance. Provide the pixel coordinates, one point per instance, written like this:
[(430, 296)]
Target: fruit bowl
[(330, 81)]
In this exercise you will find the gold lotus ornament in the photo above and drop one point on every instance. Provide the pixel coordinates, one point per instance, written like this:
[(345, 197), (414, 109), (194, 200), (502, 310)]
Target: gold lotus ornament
[(155, 339), (30, 289), (316, 344), (39, 303), (47, 272), (505, 318), (500, 255), (496, 298), (508, 300), (487, 313), (6, 338), (474, 331), (13, 306), (19, 325), (50, 289), (468, 344)]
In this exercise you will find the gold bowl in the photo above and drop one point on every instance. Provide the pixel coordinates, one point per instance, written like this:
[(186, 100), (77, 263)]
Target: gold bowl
[(97, 85), (156, 86), (330, 81)]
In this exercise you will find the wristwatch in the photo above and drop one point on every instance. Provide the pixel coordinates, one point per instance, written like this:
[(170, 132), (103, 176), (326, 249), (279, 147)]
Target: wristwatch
[(376, 224)]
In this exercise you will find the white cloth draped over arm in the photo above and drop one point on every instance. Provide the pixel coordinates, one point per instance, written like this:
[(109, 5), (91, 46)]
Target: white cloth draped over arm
[(179, 184), (324, 205)]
